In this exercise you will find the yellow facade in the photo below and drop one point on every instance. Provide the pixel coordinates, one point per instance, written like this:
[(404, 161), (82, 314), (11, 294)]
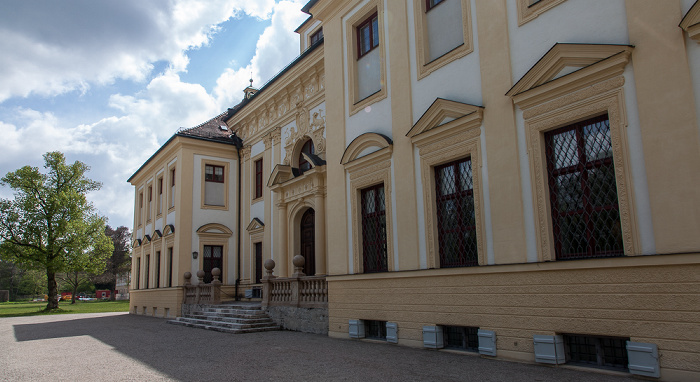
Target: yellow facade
[(521, 72)]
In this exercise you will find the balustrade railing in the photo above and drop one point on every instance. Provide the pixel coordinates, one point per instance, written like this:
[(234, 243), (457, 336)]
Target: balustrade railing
[(297, 291), (202, 293)]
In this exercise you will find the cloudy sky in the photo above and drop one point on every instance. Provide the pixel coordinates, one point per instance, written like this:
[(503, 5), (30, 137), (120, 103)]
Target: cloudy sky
[(108, 82)]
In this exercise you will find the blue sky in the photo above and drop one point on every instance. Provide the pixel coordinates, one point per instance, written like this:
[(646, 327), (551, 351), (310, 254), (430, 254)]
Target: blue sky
[(108, 82)]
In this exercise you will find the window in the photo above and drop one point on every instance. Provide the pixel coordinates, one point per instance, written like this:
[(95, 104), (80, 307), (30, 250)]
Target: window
[(213, 258), (604, 352), (374, 230), (214, 187), (150, 202), (317, 36), (170, 267), (456, 223), (367, 35), (140, 212), (375, 329), (443, 33), (214, 173), (148, 271), (307, 149), (258, 178), (157, 269), (583, 191), (461, 337), (138, 272), (429, 4), (529, 9), (160, 195), (172, 188), (258, 263)]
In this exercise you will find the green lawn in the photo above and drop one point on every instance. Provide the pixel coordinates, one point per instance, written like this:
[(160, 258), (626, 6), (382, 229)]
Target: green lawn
[(17, 309)]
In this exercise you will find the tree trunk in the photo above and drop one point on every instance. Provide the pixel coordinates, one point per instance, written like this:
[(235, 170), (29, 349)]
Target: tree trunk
[(75, 289), (113, 289), (53, 290)]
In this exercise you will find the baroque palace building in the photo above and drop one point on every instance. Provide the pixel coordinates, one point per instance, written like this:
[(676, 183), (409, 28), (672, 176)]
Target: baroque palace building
[(516, 178)]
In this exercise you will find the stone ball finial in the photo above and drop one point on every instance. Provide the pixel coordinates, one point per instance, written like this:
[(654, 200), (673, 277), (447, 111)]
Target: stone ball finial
[(188, 275), (216, 272), (269, 264), (200, 274), (298, 261)]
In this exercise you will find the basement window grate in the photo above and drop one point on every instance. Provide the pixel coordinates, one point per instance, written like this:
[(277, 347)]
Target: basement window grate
[(602, 352)]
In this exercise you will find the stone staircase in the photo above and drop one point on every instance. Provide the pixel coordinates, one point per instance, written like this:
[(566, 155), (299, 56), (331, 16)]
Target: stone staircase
[(229, 318)]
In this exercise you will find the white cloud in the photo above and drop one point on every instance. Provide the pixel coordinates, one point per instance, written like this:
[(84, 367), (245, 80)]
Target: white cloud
[(70, 45)]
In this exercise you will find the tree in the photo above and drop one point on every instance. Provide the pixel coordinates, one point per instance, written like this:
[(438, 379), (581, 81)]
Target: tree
[(120, 262), (49, 224)]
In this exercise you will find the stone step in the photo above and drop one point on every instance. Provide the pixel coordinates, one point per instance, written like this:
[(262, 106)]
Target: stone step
[(237, 320), (231, 315), (224, 329), (193, 322), (231, 311)]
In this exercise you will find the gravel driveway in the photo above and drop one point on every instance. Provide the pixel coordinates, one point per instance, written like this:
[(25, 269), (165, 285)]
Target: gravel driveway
[(119, 347)]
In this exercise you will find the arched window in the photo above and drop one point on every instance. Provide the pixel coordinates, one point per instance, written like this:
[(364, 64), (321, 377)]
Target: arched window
[(307, 149)]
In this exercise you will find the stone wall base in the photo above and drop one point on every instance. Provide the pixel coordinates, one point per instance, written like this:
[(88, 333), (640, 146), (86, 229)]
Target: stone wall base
[(307, 320)]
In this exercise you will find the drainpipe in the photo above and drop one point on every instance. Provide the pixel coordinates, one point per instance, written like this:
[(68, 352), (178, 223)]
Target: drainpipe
[(238, 142)]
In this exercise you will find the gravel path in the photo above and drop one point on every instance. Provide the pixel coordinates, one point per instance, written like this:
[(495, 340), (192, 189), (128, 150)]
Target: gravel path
[(122, 347)]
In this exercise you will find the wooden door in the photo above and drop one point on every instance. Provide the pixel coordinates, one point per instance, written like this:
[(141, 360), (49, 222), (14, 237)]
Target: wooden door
[(307, 242)]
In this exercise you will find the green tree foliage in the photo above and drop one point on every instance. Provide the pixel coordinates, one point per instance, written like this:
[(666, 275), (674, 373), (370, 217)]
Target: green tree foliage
[(49, 224)]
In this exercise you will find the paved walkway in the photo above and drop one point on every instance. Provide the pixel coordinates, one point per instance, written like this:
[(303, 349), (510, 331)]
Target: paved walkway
[(118, 346)]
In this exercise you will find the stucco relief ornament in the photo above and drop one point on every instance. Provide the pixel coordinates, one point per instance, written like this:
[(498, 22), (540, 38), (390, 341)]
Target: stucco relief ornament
[(305, 127)]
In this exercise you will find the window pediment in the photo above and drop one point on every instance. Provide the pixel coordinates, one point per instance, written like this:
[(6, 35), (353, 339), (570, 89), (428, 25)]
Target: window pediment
[(255, 226), (365, 144), (146, 239), (168, 230), (444, 112), (569, 67), (281, 174), (215, 229), (691, 22), (136, 243), (156, 235)]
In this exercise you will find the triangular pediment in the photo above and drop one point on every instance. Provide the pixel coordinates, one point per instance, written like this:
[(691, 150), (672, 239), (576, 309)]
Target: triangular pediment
[(146, 239), (444, 111), (136, 243), (565, 59), (255, 225), (156, 235), (281, 174), (691, 22)]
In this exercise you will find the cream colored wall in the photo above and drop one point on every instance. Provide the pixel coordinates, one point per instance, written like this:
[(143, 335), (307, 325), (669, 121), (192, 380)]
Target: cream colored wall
[(156, 302), (645, 298)]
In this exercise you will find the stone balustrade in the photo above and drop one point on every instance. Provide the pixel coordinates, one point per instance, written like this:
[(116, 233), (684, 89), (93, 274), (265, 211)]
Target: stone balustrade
[(297, 291), (202, 293)]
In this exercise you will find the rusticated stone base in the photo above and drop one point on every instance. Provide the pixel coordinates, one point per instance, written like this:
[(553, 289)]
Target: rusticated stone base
[(307, 320)]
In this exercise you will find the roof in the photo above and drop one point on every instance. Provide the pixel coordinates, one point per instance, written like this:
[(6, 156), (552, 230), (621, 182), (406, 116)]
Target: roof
[(307, 8), (208, 131)]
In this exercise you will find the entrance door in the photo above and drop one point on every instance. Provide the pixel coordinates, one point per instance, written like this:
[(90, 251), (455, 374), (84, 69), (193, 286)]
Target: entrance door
[(307, 242), (213, 258)]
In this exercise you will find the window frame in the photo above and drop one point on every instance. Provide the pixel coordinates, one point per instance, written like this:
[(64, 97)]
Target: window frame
[(226, 181), (374, 218), (318, 35), (171, 194), (529, 10), (430, 4), (213, 177), (159, 201), (258, 180), (425, 66), (370, 21)]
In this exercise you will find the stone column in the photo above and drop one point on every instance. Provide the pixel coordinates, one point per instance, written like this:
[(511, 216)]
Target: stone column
[(320, 234), (282, 239)]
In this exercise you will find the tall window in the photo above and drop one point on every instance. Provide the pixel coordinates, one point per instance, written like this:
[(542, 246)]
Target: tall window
[(170, 267), (213, 258), (374, 230), (138, 272), (172, 188), (307, 149), (140, 207), (429, 4), (148, 271), (214, 173), (367, 35), (258, 178), (157, 269), (258, 263), (160, 196), (317, 36), (150, 202), (583, 191), (455, 214)]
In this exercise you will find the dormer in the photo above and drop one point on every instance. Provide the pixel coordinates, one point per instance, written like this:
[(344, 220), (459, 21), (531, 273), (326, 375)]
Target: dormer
[(310, 33)]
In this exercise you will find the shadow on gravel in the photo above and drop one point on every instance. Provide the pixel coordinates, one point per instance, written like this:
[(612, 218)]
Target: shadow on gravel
[(193, 354)]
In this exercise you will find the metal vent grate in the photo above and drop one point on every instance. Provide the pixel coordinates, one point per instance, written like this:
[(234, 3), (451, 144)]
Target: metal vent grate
[(455, 214), (583, 191)]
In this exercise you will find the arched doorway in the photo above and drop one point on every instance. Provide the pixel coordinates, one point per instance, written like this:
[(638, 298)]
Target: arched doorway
[(308, 250)]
